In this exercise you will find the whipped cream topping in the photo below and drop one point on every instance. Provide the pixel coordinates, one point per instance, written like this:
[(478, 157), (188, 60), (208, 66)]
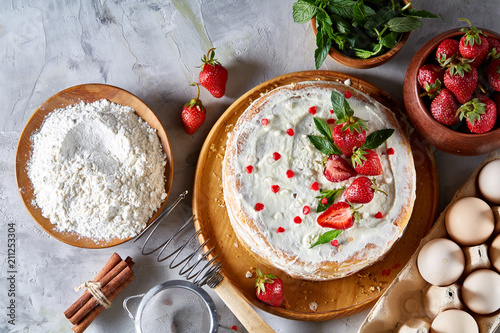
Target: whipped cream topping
[(276, 165)]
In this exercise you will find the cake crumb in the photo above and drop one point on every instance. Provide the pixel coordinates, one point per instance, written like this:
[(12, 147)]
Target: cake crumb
[(313, 306), (235, 244), (248, 275), (347, 82)]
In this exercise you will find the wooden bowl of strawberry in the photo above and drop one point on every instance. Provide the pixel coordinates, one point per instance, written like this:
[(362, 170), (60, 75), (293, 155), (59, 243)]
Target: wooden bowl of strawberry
[(451, 91)]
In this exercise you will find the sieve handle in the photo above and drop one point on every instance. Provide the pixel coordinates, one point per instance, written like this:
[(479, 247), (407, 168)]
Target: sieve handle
[(241, 309), (125, 301)]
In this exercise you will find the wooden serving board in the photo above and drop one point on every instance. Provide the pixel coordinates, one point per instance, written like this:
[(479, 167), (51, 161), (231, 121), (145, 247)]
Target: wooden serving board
[(87, 93), (335, 298)]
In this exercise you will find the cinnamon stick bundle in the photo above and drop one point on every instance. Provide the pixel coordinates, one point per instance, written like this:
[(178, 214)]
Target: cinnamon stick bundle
[(113, 277)]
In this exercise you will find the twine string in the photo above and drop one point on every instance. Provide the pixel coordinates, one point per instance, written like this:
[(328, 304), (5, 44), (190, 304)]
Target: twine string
[(94, 288)]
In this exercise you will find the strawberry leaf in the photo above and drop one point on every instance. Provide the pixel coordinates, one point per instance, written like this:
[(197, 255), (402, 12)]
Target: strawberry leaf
[(324, 145), (330, 196), (327, 237), (376, 138), (323, 128)]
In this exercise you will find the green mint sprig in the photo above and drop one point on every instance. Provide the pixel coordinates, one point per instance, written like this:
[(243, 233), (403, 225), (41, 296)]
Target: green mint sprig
[(327, 237), (325, 142)]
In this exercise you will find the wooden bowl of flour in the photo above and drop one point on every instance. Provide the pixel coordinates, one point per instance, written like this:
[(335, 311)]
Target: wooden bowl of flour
[(86, 93)]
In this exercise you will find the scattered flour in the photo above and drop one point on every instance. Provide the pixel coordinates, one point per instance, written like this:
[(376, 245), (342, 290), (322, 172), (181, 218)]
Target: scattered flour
[(97, 169)]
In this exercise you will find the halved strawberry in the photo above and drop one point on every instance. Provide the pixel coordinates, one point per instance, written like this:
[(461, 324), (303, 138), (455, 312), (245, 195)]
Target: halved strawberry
[(338, 216), (366, 162), (337, 169)]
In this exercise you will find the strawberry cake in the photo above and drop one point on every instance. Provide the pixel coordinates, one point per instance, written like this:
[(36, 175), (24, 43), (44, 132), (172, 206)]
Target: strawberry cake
[(318, 180)]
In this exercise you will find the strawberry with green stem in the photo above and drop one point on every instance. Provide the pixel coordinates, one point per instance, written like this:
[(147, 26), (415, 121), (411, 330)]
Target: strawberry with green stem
[(193, 114), (365, 160), (473, 45), (213, 75), (480, 114), (447, 50), (461, 79), (269, 288), (350, 132), (430, 78)]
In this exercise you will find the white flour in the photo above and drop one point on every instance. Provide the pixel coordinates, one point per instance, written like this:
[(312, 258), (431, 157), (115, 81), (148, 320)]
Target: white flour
[(97, 169)]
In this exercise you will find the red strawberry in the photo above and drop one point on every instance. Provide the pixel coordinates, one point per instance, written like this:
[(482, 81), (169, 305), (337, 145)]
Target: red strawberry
[(360, 191), (495, 97), (494, 45), (346, 140), (366, 162), (337, 169), (473, 45), (461, 83), (430, 78), (493, 74), (269, 288), (480, 114), (338, 216), (193, 114), (444, 108), (446, 50), (213, 75)]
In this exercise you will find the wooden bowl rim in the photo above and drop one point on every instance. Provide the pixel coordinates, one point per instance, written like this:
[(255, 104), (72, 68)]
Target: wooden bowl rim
[(23, 154), (412, 96)]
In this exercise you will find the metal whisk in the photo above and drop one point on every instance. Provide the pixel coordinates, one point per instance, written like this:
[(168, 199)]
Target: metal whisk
[(208, 274), (201, 274)]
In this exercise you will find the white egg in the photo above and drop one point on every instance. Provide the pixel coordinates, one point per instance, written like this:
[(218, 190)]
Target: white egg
[(495, 253), (481, 291), (440, 262), (470, 221), (489, 182), (454, 321)]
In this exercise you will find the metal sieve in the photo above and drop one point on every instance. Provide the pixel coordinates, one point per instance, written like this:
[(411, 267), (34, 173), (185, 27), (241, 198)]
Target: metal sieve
[(175, 306)]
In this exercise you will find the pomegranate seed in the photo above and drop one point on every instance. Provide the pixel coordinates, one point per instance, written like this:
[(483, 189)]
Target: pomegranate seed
[(276, 156), (348, 94), (280, 230), (313, 109), (334, 243), (289, 173), (275, 188), (264, 121), (297, 220), (315, 186), (330, 121), (259, 206), (331, 111), (306, 210), (379, 215), (234, 327), (249, 168), (324, 201), (290, 132), (390, 151)]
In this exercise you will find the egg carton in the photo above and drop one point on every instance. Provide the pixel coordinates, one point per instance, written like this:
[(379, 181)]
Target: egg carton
[(410, 304)]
